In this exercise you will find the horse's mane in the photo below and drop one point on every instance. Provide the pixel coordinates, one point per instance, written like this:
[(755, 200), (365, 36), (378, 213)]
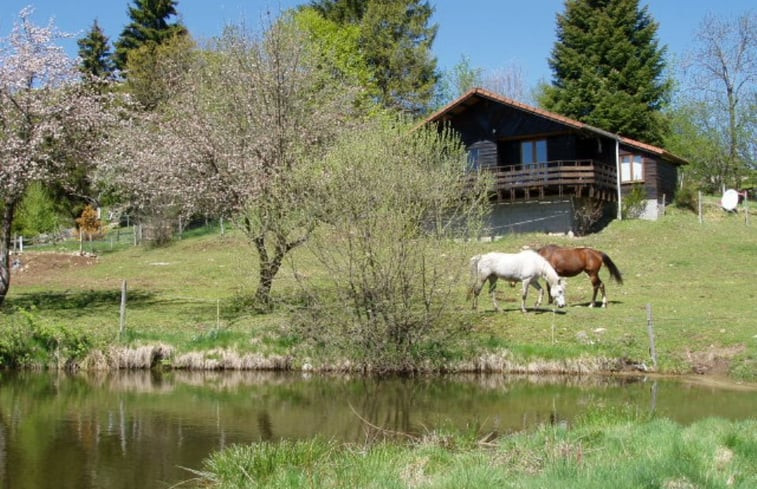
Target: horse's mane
[(547, 271)]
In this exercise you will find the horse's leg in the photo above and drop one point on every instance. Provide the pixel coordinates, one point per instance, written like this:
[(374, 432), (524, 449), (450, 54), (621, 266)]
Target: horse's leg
[(475, 291), (596, 282), (493, 291), (535, 283), (549, 293), (524, 295)]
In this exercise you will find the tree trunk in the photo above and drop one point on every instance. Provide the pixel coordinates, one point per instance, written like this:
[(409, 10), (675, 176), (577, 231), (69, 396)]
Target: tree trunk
[(269, 267), (263, 294), (5, 245)]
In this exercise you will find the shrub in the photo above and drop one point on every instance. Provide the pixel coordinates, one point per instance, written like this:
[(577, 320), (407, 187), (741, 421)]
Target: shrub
[(588, 215), (391, 201), (28, 341), (634, 202), (37, 213), (686, 198)]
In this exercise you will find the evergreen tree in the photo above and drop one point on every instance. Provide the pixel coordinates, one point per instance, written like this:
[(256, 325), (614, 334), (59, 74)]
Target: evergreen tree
[(156, 71), (395, 40), (608, 68), (341, 11), (94, 51), (149, 26)]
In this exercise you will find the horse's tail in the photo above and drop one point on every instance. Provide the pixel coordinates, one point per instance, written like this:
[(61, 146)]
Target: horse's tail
[(614, 272), (474, 276)]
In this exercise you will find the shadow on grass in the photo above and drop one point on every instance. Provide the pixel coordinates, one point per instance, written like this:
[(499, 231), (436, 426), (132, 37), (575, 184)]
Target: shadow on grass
[(95, 302), (89, 299), (597, 305), (529, 310)]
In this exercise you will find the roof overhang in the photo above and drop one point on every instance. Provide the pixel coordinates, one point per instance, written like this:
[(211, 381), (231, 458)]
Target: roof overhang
[(476, 95)]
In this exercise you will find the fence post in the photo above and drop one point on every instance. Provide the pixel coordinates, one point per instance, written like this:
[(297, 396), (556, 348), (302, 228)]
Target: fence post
[(700, 206), (746, 207), (122, 322), (650, 330)]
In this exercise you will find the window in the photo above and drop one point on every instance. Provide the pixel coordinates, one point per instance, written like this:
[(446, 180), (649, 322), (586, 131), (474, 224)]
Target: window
[(631, 168), (533, 152)]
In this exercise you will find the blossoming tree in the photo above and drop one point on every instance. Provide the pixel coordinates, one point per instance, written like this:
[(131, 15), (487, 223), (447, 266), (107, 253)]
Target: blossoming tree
[(239, 139), (47, 119)]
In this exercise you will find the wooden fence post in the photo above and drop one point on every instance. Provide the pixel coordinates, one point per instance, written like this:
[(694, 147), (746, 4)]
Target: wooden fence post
[(650, 330), (746, 207), (700, 206), (122, 322)]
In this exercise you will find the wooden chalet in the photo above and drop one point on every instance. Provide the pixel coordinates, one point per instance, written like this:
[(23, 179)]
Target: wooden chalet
[(547, 167)]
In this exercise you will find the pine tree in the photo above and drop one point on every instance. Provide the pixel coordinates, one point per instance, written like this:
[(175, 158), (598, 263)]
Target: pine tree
[(95, 54), (341, 11), (608, 68), (149, 25), (395, 41)]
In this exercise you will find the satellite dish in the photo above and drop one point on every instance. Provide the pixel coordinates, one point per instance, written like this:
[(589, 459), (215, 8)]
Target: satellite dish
[(730, 200)]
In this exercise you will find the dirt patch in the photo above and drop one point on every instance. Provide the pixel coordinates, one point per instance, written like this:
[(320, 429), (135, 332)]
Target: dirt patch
[(713, 361), (40, 268)]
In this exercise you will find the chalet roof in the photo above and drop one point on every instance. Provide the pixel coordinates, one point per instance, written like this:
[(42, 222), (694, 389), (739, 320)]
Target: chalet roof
[(475, 95)]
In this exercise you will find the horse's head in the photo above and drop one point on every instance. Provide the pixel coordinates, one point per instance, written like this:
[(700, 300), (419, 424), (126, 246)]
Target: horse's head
[(558, 293)]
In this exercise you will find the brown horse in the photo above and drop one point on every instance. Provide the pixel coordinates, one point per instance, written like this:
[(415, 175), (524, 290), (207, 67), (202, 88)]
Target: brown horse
[(569, 262)]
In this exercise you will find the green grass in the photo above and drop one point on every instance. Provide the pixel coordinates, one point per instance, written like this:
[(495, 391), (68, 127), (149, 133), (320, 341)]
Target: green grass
[(616, 449), (698, 279)]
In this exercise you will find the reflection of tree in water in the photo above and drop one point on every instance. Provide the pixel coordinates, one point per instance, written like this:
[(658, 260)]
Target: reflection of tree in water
[(386, 408), (83, 427)]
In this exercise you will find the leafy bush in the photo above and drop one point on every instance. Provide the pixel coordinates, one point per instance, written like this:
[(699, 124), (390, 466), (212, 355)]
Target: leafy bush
[(37, 213), (28, 341), (686, 198), (634, 202), (391, 203)]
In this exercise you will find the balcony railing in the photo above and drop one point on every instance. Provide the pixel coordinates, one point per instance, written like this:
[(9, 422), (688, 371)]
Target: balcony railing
[(560, 177)]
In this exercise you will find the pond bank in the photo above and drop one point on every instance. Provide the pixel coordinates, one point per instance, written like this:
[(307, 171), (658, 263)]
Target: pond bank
[(163, 356)]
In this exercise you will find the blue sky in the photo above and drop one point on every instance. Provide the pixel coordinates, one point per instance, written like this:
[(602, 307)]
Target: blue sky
[(494, 34)]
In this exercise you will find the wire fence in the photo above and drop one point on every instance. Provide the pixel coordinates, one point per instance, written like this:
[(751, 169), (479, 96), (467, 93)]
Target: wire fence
[(111, 238), (707, 209)]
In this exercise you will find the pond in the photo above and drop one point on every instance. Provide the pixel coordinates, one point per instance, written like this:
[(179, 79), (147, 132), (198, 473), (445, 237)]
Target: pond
[(145, 429)]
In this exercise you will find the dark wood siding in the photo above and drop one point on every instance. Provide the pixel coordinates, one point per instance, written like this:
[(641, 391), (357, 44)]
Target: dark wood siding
[(562, 147), (666, 180), (488, 120), (509, 152)]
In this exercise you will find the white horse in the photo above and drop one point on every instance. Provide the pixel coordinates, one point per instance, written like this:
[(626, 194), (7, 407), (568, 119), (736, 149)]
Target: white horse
[(525, 267)]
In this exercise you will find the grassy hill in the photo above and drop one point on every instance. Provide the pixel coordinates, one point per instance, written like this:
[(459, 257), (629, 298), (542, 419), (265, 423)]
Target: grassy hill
[(697, 278)]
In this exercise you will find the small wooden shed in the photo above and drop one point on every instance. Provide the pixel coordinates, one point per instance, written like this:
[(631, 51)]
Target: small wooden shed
[(548, 169)]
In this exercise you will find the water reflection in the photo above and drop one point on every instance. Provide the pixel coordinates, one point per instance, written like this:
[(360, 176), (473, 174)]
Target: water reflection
[(139, 429)]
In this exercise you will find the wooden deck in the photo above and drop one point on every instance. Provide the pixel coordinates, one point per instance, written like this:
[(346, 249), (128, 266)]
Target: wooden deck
[(563, 178)]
